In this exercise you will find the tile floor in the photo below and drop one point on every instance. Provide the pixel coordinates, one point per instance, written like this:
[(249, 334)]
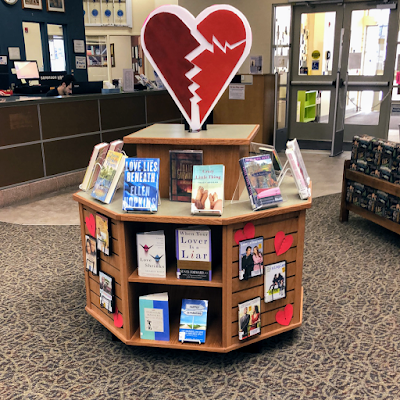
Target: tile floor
[(59, 209)]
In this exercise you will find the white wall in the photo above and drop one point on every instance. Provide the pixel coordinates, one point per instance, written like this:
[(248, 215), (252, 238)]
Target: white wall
[(123, 56)]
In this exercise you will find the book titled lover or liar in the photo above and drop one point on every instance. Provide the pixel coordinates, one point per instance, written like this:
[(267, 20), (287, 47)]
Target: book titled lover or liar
[(193, 253), (141, 184), (181, 172)]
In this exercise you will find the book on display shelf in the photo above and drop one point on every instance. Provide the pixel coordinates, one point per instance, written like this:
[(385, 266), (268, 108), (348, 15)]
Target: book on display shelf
[(193, 253), (208, 189), (106, 184), (260, 148), (151, 254), (96, 161), (251, 258), (298, 174), (261, 182), (106, 291), (91, 254), (154, 316), (193, 322), (103, 234), (116, 145), (294, 145), (275, 281), (181, 172), (141, 184), (249, 318)]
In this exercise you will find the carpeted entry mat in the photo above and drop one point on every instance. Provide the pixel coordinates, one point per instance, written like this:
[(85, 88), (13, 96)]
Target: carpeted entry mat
[(347, 348)]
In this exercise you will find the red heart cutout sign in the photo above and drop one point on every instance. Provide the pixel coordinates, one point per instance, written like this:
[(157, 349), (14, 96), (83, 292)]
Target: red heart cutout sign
[(247, 232), (196, 58), (118, 320), (91, 224), (283, 317), (282, 243)]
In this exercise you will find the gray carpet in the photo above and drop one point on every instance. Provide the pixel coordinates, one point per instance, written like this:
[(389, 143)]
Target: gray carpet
[(347, 348)]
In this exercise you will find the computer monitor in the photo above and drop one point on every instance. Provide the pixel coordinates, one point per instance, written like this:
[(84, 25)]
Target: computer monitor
[(26, 69)]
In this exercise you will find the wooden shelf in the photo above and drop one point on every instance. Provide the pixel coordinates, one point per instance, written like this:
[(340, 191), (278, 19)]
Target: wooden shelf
[(386, 223), (225, 291), (171, 278), (373, 182), (213, 341)]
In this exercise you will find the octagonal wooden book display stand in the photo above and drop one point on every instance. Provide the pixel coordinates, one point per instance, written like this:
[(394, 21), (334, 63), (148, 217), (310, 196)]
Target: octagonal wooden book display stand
[(221, 144)]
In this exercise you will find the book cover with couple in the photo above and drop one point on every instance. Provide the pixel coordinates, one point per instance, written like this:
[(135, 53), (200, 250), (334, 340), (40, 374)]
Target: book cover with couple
[(249, 318), (251, 258)]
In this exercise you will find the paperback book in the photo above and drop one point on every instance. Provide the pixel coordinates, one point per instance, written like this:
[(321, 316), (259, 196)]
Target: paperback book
[(117, 145), (249, 318), (106, 291), (91, 254), (193, 323), (96, 161), (106, 184), (275, 281), (151, 254), (294, 145), (181, 173), (251, 258), (102, 233), (154, 316), (141, 184), (208, 189), (260, 148), (261, 181), (193, 253)]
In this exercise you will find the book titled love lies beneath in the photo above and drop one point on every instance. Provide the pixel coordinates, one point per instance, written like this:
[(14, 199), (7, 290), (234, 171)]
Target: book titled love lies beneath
[(141, 184)]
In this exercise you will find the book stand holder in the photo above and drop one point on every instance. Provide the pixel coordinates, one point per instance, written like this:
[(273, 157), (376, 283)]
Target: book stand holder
[(190, 341)]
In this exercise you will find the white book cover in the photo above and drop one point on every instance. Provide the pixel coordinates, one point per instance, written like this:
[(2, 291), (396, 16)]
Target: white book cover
[(302, 186), (151, 254), (193, 244), (293, 144), (275, 281)]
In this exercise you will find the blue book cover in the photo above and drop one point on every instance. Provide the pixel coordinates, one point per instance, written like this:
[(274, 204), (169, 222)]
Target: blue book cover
[(193, 324), (141, 184), (154, 317)]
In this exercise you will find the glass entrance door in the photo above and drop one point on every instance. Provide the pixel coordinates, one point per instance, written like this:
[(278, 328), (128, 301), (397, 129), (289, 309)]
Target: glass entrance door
[(341, 72)]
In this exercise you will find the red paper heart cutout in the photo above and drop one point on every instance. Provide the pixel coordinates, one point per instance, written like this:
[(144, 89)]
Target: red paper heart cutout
[(196, 58), (118, 320), (282, 243), (247, 232), (91, 224), (283, 317)]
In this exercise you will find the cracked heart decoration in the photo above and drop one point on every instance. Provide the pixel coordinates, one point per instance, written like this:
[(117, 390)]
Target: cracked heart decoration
[(91, 225), (283, 317), (247, 232), (282, 243), (196, 58)]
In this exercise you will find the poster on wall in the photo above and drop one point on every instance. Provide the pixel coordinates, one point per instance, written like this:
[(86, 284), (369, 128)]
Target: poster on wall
[(236, 92), (79, 46), (3, 60), (33, 4), (80, 62), (55, 5), (14, 53)]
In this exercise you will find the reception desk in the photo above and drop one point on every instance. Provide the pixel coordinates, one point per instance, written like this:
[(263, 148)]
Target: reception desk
[(42, 137)]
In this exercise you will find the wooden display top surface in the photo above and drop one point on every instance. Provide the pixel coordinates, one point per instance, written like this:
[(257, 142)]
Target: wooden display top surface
[(226, 135), (179, 212)]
